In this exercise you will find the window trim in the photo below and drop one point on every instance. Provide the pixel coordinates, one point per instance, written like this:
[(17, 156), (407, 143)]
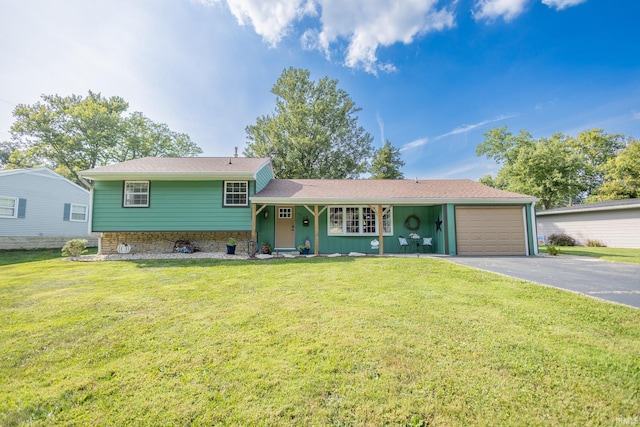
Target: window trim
[(361, 222), (125, 193), (16, 201), (86, 212), (225, 193)]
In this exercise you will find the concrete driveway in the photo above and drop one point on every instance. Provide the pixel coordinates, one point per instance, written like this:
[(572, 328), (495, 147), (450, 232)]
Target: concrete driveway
[(608, 281)]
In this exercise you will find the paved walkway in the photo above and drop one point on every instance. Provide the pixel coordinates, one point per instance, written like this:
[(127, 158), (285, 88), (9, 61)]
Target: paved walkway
[(609, 281)]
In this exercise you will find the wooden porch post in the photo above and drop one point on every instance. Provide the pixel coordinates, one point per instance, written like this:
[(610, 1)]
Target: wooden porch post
[(380, 212), (380, 230), (254, 234), (316, 226)]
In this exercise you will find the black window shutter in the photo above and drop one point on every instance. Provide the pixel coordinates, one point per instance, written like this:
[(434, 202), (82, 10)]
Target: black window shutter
[(22, 208)]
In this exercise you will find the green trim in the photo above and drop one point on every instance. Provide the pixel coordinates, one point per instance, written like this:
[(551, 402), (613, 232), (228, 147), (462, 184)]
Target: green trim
[(451, 229), (532, 238)]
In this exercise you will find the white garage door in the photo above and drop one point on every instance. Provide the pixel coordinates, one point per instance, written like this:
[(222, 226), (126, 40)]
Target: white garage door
[(490, 230)]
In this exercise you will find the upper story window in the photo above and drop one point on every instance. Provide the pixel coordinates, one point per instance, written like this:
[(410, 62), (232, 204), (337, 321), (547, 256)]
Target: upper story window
[(78, 213), (236, 193), (8, 207), (136, 194), (357, 221)]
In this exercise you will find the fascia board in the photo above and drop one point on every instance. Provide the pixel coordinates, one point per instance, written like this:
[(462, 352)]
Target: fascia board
[(389, 201), (169, 176), (598, 209)]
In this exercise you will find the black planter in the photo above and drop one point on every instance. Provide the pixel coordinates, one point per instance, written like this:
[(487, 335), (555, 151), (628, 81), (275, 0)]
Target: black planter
[(304, 251), (231, 250)]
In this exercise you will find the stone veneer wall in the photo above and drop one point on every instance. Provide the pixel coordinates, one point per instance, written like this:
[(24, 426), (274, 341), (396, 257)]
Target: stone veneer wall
[(162, 242)]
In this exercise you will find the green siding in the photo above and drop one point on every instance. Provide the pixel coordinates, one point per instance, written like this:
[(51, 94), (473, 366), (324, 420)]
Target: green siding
[(174, 206), (265, 227), (450, 228), (346, 244), (263, 177)]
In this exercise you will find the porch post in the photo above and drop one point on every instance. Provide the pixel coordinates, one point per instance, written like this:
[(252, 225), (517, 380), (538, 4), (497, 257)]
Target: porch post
[(380, 214), (254, 235), (316, 234), (316, 226)]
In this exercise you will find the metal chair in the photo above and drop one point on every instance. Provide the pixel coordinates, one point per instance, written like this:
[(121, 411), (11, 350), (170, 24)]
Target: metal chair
[(427, 242), (403, 242)]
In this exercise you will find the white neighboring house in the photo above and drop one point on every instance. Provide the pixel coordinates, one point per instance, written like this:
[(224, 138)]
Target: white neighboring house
[(41, 209), (616, 223)]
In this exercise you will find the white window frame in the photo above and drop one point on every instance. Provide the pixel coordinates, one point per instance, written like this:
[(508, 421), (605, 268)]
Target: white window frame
[(85, 212), (15, 207), (244, 193), (126, 194), (351, 220)]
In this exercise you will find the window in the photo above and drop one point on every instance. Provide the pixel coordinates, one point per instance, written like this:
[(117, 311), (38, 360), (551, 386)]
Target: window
[(236, 193), (357, 220), (8, 207), (136, 194), (285, 213), (78, 213)]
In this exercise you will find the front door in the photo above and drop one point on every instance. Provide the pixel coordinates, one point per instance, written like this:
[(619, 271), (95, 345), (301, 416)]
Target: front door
[(285, 227)]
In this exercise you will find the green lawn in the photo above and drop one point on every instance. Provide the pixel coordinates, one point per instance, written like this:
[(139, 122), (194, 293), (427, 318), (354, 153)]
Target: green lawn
[(605, 254), (320, 341)]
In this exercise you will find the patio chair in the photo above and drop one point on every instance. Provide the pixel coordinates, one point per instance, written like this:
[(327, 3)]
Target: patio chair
[(427, 242), (403, 243)]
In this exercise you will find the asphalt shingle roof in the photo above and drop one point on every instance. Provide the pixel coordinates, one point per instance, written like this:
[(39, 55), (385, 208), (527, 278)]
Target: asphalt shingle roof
[(376, 189), (183, 164)]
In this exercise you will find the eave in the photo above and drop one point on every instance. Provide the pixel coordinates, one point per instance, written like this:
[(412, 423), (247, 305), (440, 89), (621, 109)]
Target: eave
[(170, 176), (391, 201)]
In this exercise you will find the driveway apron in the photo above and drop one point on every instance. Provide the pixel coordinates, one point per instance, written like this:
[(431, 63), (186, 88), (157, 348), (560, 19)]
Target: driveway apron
[(609, 281)]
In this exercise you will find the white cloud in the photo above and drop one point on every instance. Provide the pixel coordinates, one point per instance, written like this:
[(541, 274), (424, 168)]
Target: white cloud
[(635, 115), (271, 19), (562, 4), (365, 25), (493, 9), (459, 130), (369, 24), (415, 144)]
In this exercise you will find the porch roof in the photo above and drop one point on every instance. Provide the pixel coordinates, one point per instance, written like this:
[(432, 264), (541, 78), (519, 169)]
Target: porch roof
[(384, 191), (179, 168)]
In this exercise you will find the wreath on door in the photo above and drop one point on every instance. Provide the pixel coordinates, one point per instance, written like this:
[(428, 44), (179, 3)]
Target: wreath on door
[(412, 222)]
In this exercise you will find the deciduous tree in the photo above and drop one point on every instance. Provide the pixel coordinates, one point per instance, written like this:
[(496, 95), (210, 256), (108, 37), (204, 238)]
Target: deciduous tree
[(72, 133), (313, 132), (548, 169), (622, 179)]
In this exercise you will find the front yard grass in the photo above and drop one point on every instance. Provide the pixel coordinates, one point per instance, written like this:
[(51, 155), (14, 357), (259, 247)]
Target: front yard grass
[(323, 341), (606, 254)]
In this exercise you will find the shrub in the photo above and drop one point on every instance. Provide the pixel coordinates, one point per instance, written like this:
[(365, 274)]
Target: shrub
[(75, 247), (595, 244), (561, 239), (552, 250)]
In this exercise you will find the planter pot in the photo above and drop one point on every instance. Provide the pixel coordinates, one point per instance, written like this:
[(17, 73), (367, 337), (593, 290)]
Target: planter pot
[(231, 250), (304, 251)]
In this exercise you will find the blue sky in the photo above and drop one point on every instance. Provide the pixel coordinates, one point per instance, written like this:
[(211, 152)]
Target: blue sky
[(430, 76)]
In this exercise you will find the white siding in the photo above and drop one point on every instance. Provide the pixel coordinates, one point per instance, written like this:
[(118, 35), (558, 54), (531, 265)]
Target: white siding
[(615, 228), (46, 193)]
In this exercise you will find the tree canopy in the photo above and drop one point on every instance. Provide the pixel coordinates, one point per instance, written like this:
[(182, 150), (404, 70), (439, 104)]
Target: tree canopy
[(557, 170), (622, 179), (386, 163), (313, 132), (73, 133)]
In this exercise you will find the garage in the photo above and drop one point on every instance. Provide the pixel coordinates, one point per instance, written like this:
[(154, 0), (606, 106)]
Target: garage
[(490, 230)]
